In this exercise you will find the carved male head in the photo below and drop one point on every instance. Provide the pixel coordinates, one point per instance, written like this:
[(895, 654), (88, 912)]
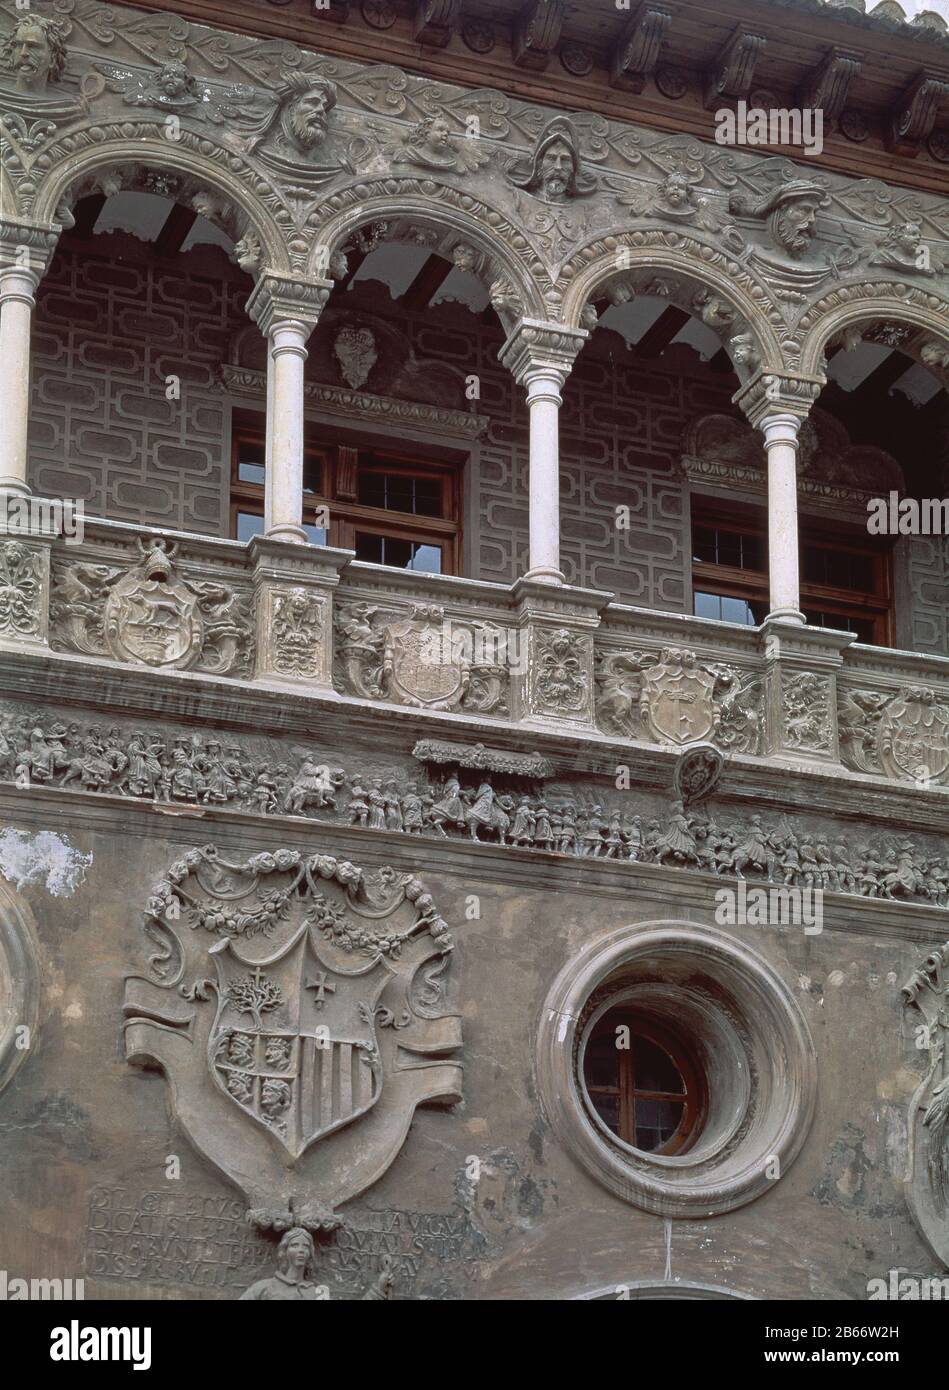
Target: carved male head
[(554, 171), (35, 52), (793, 214), (307, 101)]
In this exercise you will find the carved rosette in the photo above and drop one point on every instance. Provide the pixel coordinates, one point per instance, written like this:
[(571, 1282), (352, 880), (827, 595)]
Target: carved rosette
[(926, 997), (295, 1005)]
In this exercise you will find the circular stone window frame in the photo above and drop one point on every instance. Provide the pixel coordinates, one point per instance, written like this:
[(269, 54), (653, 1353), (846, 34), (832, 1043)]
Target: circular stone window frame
[(741, 1020)]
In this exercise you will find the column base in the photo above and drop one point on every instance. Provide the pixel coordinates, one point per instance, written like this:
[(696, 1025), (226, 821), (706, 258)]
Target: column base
[(288, 532), (787, 615), (15, 485), (545, 574)]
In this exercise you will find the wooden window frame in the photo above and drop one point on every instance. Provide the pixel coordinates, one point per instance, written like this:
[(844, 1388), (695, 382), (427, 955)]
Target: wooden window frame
[(342, 464), (752, 585), (693, 1100)]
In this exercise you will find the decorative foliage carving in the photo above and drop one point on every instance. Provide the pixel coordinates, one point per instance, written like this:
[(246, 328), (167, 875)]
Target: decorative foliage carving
[(476, 755), (297, 633), (149, 615), (927, 994), (255, 1009), (21, 586), (560, 670)]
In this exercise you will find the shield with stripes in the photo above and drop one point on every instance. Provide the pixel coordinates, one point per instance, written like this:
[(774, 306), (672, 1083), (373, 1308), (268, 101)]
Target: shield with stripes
[(294, 1043)]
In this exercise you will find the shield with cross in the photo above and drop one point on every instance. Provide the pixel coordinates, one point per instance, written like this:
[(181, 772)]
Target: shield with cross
[(293, 1043), (677, 703)]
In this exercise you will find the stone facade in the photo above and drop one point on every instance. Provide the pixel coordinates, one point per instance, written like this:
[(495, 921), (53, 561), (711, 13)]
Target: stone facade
[(317, 876)]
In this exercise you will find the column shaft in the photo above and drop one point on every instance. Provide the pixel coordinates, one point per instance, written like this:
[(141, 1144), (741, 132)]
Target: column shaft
[(544, 399), (283, 500), (781, 437), (17, 286)]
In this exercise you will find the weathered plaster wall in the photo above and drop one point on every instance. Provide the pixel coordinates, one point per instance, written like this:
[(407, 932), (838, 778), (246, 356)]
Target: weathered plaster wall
[(85, 1138)]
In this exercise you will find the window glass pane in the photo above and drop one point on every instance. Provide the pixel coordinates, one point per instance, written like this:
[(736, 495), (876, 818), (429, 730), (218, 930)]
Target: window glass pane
[(707, 605), (401, 492), (316, 535), (602, 1061), (607, 1107), (655, 1069), (400, 553), (249, 524), (250, 461), (738, 610), (312, 473), (427, 559), (703, 545), (729, 549), (656, 1122)]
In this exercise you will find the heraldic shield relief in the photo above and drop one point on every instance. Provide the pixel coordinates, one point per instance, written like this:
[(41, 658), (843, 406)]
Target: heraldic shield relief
[(294, 1004), (926, 997)]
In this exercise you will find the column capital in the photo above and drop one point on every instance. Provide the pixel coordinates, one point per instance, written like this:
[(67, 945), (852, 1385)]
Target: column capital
[(27, 247), (770, 394), (534, 348), (277, 299)]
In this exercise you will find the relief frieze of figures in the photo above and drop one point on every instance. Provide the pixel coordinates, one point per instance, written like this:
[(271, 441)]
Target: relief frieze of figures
[(518, 810), (299, 126)]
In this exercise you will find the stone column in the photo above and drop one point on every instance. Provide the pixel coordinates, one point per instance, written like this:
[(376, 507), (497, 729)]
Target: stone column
[(286, 312), (25, 250), (778, 406), (540, 356)]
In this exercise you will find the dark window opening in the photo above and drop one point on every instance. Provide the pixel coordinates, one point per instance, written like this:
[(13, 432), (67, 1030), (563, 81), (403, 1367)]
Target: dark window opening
[(642, 1083)]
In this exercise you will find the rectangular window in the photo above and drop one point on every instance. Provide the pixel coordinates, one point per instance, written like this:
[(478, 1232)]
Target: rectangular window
[(845, 579), (392, 508)]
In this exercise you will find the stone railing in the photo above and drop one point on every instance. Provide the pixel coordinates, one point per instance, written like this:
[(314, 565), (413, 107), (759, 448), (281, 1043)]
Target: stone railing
[(531, 656)]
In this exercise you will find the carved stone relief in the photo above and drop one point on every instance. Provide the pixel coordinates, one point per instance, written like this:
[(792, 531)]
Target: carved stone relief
[(296, 633), (421, 658), (286, 998), (902, 734), (671, 697), (148, 614), (926, 995), (22, 591), (806, 711)]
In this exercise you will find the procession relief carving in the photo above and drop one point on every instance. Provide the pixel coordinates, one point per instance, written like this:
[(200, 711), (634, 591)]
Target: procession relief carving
[(926, 997), (296, 147), (421, 658), (902, 734), (672, 697), (149, 615), (295, 1003), (473, 792)]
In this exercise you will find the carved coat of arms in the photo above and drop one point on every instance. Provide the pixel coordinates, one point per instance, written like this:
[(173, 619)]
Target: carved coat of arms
[(677, 700), (926, 994), (294, 1004), (914, 736), (151, 615), (423, 664)]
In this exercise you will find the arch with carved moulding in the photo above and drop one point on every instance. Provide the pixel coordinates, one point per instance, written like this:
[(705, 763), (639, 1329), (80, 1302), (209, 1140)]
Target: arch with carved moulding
[(852, 306), (702, 268), (441, 209), (77, 170)]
